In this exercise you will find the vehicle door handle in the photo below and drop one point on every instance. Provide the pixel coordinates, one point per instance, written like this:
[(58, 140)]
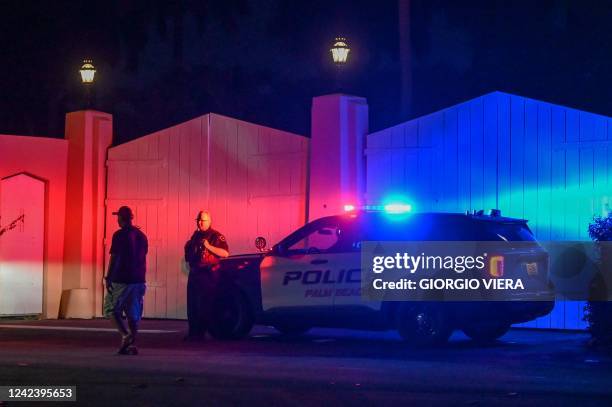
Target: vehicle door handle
[(318, 261)]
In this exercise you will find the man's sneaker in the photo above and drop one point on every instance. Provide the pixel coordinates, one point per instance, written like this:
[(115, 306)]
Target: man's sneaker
[(130, 350), (126, 343)]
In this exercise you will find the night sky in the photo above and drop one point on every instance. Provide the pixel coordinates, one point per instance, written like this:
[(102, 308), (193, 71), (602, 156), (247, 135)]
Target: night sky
[(161, 63)]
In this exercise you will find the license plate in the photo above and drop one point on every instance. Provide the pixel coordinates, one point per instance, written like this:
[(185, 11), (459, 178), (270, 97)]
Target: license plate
[(532, 268)]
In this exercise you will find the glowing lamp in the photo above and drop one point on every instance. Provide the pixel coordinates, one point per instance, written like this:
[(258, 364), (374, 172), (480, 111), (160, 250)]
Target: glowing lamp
[(397, 208), (340, 50), (87, 71), (349, 208)]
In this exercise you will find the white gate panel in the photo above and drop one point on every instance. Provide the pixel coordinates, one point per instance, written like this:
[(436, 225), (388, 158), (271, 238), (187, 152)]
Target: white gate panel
[(22, 219), (252, 179)]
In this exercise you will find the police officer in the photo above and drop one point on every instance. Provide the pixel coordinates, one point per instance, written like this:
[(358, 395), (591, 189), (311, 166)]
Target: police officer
[(125, 279), (202, 252)]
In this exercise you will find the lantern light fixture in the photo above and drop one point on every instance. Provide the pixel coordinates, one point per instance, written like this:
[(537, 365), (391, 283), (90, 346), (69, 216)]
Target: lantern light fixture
[(87, 71), (340, 50)]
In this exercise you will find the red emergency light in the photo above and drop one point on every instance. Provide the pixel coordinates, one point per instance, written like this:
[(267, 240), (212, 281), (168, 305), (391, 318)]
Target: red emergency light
[(349, 208)]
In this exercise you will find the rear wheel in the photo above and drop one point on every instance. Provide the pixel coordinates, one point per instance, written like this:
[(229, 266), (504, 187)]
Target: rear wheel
[(486, 331), (232, 318), (423, 324)]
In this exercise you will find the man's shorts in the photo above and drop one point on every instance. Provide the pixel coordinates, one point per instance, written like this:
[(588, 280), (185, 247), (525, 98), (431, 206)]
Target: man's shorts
[(125, 298)]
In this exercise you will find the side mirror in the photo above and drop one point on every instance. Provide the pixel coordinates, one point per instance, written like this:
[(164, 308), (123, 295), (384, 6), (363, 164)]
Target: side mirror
[(260, 243)]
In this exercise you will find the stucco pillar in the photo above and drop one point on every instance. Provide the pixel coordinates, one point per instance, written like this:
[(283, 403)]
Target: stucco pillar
[(337, 163), (89, 134)]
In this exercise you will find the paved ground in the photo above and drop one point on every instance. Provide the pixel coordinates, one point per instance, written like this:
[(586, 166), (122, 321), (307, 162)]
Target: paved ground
[(322, 368)]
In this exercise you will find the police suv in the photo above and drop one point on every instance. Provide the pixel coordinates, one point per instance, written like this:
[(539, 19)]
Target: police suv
[(312, 278)]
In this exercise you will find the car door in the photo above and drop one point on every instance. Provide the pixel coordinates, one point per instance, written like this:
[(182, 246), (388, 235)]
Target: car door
[(347, 295), (347, 259), (300, 272)]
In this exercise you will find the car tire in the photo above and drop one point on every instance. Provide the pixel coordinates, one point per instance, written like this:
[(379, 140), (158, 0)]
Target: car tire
[(423, 324), (232, 317), (292, 329), (484, 332)]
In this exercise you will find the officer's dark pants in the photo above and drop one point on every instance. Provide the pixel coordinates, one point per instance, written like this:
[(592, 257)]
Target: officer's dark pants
[(200, 293)]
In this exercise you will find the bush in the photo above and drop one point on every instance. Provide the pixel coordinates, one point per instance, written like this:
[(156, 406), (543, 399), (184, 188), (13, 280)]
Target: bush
[(598, 314), (601, 228)]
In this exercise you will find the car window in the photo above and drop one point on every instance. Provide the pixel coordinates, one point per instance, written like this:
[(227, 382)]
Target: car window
[(318, 240), (331, 235), (510, 232), (349, 239), (451, 228), (388, 228)]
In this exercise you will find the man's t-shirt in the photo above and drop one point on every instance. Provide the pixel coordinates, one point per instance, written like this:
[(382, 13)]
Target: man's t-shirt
[(130, 248), (196, 256)]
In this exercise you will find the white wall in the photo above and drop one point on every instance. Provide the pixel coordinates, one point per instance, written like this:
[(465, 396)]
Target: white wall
[(546, 163)]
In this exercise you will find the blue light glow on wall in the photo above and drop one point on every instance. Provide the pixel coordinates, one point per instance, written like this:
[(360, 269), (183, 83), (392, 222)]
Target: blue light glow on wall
[(533, 160)]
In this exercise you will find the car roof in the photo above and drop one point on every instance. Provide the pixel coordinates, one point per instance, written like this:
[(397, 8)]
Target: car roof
[(420, 226), (421, 216)]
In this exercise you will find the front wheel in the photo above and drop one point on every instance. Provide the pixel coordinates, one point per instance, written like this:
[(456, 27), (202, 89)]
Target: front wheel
[(486, 331), (231, 317), (423, 324)]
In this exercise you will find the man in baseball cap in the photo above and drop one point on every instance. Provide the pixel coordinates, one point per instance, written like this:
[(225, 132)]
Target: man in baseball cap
[(125, 279), (125, 212)]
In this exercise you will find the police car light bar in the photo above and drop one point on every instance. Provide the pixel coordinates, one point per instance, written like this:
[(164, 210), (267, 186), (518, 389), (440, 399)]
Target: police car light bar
[(394, 208)]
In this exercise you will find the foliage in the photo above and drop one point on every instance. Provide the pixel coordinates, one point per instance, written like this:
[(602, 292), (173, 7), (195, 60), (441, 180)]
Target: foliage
[(598, 314), (601, 228)]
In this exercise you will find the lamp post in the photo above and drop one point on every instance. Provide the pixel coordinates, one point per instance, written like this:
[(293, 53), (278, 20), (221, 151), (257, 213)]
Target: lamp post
[(340, 51), (88, 73)]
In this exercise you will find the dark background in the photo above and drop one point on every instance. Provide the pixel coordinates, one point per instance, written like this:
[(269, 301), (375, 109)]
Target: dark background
[(160, 63)]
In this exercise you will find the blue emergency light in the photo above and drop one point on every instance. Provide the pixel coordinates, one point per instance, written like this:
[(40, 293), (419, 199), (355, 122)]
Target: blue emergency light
[(397, 208), (394, 208)]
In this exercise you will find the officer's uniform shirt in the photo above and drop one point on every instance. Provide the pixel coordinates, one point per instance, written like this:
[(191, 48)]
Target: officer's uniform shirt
[(195, 254)]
